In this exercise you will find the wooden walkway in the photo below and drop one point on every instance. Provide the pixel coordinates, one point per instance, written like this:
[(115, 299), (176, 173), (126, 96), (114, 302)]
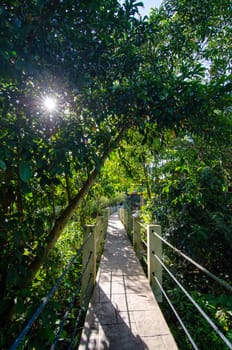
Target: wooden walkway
[(123, 313)]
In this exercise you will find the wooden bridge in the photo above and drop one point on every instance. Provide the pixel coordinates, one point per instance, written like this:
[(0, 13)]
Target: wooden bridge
[(123, 313)]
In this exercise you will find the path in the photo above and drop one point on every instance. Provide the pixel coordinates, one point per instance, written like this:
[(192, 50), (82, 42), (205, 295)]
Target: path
[(123, 313)]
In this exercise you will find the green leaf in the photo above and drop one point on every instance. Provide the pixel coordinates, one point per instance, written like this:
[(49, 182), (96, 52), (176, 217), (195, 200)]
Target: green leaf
[(2, 164), (3, 133), (25, 172), (19, 307), (12, 277)]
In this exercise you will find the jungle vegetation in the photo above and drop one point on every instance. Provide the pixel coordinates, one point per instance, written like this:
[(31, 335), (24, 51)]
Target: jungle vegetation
[(137, 104)]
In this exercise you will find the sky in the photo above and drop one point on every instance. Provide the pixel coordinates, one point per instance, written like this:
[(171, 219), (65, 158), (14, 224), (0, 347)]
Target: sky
[(147, 6)]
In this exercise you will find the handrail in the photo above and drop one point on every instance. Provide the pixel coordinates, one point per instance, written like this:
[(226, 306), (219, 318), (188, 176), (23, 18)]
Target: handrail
[(144, 242), (143, 225), (176, 314), (155, 263), (75, 330), (38, 311), (210, 274), (68, 310), (49, 295), (200, 267), (197, 306), (70, 306)]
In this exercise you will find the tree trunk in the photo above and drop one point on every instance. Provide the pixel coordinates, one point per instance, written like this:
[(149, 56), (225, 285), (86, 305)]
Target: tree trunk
[(61, 223), (146, 177), (67, 213)]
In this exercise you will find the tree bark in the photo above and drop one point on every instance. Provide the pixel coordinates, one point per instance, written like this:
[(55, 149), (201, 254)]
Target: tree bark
[(146, 177)]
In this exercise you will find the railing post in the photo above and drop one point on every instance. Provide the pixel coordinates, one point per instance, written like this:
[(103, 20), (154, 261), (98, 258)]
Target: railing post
[(106, 215), (99, 235), (154, 246), (121, 215), (128, 222), (137, 243), (124, 216), (88, 265)]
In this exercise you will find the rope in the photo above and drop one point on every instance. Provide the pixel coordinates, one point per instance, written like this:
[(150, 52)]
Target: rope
[(206, 317), (215, 278), (26, 329)]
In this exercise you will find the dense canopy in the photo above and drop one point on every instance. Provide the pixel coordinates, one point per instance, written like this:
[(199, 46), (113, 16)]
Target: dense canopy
[(157, 89)]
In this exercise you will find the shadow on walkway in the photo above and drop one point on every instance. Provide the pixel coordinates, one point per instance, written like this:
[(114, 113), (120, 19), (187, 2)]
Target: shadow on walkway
[(123, 313), (108, 328)]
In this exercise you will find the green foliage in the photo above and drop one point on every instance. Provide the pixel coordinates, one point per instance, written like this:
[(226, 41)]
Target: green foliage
[(208, 26), (218, 308), (43, 332), (110, 72), (194, 206), (46, 158)]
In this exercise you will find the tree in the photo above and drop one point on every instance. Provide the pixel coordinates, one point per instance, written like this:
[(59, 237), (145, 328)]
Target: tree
[(48, 161), (109, 72)]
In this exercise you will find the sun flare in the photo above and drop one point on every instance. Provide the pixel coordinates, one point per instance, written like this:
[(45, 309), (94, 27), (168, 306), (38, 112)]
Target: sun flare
[(50, 103)]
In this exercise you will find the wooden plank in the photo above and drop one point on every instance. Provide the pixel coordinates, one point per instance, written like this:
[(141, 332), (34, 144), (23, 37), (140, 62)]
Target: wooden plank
[(123, 313), (154, 245)]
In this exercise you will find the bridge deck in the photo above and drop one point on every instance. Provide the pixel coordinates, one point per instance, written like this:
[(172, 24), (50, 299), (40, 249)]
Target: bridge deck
[(123, 313)]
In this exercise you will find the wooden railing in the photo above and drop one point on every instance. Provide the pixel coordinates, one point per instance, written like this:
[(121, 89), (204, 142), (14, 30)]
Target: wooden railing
[(92, 254), (90, 251), (152, 248), (147, 248)]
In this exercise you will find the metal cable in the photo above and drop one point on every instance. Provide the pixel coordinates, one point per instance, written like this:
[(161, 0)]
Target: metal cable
[(145, 260), (75, 329), (144, 242), (210, 274), (206, 317), (70, 306), (143, 225), (78, 316), (65, 318), (26, 329), (87, 263), (176, 314)]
